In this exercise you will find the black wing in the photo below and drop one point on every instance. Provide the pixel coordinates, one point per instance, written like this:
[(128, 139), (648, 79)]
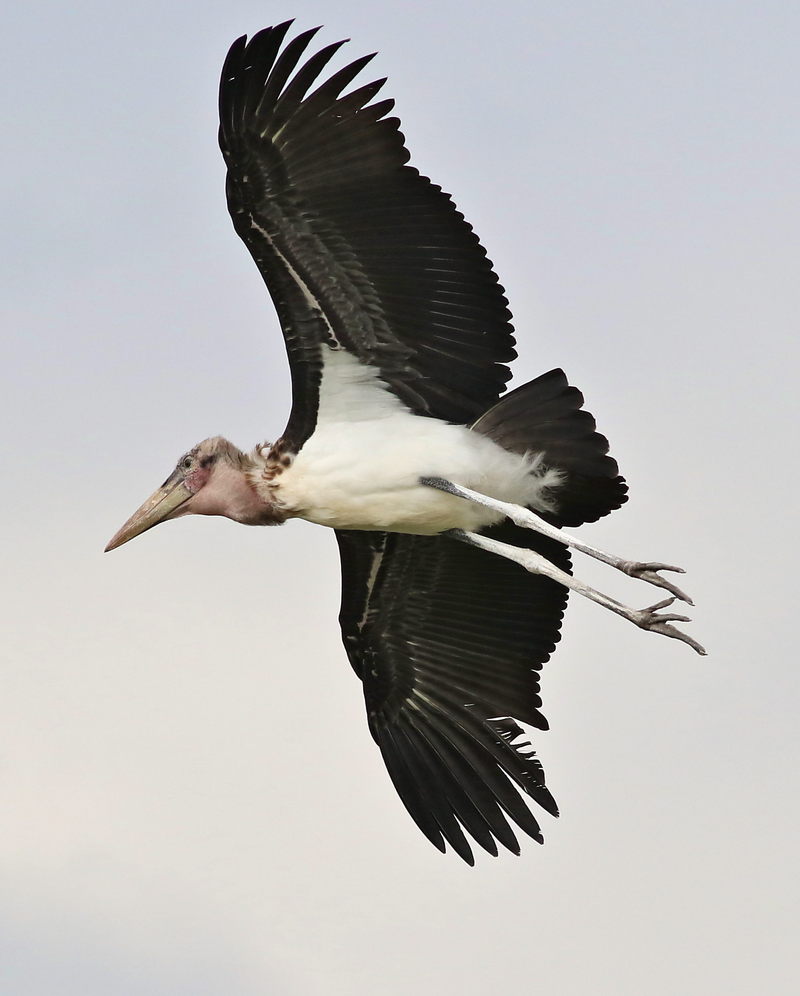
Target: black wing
[(358, 250), (447, 640)]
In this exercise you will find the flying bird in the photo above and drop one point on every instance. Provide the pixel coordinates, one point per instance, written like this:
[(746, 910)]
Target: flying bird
[(447, 496)]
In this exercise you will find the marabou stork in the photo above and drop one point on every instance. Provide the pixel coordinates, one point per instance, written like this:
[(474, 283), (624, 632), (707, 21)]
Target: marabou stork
[(447, 499)]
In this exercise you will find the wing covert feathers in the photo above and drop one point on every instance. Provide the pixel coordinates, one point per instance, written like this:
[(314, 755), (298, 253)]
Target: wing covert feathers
[(448, 641), (358, 250)]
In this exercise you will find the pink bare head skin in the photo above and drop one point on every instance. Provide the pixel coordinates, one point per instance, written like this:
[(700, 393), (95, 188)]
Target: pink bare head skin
[(213, 478), (221, 479)]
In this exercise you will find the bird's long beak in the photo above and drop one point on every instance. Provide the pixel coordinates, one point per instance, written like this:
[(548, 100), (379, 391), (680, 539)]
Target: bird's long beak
[(158, 507)]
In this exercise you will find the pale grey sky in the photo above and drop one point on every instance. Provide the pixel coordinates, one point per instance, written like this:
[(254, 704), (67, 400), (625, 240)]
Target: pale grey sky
[(192, 802)]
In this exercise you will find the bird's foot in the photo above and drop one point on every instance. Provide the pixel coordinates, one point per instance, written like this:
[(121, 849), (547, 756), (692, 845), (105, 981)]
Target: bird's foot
[(649, 572), (650, 619)]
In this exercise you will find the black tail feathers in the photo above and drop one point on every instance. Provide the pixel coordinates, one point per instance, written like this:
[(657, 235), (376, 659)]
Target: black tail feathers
[(545, 416)]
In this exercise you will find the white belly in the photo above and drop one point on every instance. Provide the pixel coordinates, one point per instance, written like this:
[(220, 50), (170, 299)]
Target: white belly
[(361, 467), (366, 476)]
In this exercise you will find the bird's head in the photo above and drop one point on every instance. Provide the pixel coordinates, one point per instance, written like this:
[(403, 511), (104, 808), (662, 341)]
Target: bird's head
[(213, 478)]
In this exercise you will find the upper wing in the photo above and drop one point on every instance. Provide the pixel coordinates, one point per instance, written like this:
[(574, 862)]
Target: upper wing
[(447, 640), (358, 250)]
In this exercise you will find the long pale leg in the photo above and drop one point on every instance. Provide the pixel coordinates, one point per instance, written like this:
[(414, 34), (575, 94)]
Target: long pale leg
[(537, 564), (521, 516)]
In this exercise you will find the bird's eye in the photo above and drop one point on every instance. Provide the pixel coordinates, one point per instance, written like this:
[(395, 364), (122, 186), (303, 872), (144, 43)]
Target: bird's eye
[(186, 463)]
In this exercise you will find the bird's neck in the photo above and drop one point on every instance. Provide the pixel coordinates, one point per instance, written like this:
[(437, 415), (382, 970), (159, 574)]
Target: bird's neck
[(235, 490)]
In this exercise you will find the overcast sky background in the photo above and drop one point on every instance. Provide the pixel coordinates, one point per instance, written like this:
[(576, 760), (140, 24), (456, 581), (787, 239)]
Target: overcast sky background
[(192, 804)]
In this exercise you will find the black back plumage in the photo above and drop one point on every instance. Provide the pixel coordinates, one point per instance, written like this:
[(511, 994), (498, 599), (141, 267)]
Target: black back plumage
[(358, 250)]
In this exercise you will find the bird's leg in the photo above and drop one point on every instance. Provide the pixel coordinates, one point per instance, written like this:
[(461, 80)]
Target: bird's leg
[(537, 564), (521, 516)]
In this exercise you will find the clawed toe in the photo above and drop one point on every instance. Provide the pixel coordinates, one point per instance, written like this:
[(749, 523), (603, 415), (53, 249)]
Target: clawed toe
[(649, 619), (649, 572)]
